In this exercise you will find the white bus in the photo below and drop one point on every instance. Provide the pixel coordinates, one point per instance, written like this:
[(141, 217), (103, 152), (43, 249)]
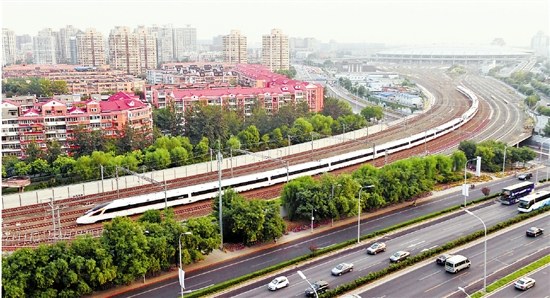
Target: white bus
[(534, 201), (457, 263)]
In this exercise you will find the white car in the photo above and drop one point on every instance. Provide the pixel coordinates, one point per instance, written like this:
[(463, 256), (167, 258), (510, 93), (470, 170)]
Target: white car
[(278, 283), (524, 283), (399, 256)]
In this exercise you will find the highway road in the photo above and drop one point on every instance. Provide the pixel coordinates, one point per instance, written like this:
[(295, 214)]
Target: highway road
[(540, 290), (414, 241), (509, 249), (241, 266)]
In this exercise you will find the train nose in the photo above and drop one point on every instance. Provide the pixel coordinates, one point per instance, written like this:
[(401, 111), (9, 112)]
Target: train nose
[(80, 221)]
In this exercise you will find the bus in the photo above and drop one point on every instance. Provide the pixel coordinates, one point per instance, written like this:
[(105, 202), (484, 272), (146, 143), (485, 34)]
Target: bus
[(511, 194), (534, 201)]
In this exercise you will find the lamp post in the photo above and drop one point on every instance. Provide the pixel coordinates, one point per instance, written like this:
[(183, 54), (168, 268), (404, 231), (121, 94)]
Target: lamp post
[(305, 278), (464, 291), (485, 249), (180, 271), (359, 211)]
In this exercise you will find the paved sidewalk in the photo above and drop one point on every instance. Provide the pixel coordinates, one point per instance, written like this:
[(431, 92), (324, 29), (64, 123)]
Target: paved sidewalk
[(218, 256)]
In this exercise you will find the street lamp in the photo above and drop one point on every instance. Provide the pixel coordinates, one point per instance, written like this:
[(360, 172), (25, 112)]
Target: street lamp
[(485, 253), (181, 273), (305, 278), (464, 291), (359, 211)]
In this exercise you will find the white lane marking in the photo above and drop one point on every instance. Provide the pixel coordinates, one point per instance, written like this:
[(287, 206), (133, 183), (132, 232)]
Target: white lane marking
[(449, 280), (415, 244), (430, 275), (369, 266), (163, 286), (258, 264)]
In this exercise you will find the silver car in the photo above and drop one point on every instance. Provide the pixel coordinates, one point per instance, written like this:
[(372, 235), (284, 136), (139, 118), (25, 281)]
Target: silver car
[(342, 268), (376, 248), (399, 256), (524, 283)]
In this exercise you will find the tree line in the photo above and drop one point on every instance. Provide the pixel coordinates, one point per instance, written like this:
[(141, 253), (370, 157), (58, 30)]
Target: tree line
[(41, 87)]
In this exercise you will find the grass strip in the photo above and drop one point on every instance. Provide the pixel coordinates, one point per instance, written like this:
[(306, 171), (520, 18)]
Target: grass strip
[(513, 276)]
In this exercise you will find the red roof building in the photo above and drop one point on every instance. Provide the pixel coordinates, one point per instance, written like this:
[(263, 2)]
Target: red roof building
[(57, 120)]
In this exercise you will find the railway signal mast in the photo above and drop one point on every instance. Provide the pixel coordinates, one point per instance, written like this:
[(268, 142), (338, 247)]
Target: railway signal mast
[(151, 180)]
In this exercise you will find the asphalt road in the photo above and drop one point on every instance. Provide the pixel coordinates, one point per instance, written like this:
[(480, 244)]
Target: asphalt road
[(241, 266), (413, 241), (431, 280), (540, 290)]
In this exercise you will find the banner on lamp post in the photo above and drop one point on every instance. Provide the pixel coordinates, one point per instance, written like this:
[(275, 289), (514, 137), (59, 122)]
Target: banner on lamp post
[(181, 275)]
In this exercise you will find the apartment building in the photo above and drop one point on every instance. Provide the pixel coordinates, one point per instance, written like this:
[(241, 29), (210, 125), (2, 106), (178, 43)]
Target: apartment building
[(147, 49), (234, 48), (44, 47), (80, 80), (185, 42), (124, 50), (24, 122), (266, 89), (165, 42), (275, 51), (65, 48), (9, 53), (91, 48)]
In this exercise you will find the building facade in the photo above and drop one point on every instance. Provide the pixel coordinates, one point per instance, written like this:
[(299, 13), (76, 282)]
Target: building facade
[(9, 54), (90, 48), (275, 51), (124, 50), (147, 49), (44, 47), (27, 120), (235, 48), (64, 52), (540, 43)]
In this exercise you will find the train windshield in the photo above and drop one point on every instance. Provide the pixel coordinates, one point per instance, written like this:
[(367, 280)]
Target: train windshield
[(97, 207)]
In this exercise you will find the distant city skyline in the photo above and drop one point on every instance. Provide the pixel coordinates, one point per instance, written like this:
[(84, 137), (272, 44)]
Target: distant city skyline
[(368, 21)]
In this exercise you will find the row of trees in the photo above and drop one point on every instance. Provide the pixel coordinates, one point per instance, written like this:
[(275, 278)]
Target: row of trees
[(337, 196), (492, 154), (40, 86), (126, 251)]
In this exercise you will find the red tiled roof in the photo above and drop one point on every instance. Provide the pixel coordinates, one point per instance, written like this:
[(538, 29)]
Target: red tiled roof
[(120, 102)]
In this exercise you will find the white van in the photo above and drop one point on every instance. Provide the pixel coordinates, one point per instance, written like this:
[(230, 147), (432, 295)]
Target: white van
[(456, 263)]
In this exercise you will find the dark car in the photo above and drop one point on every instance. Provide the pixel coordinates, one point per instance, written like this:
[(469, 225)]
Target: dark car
[(320, 286), (525, 176), (442, 258), (534, 232)]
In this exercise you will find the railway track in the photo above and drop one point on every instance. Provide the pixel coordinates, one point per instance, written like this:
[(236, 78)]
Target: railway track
[(37, 220)]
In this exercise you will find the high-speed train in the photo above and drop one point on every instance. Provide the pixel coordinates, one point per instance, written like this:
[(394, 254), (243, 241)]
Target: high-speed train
[(186, 195)]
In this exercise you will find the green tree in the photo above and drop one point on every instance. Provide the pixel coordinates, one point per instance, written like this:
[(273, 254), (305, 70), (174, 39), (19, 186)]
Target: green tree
[(53, 150), (201, 151), (40, 167), (469, 148), (126, 242), (33, 152), (336, 108), (250, 137), (371, 113), (92, 262)]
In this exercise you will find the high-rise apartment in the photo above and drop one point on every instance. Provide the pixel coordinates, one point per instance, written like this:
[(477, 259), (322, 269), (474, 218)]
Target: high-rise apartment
[(90, 48), (44, 47), (8, 47), (165, 42), (124, 50), (185, 42), (64, 55), (147, 45), (275, 52), (235, 48), (540, 43)]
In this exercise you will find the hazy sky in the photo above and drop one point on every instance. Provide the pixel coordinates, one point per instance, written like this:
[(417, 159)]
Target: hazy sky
[(390, 22)]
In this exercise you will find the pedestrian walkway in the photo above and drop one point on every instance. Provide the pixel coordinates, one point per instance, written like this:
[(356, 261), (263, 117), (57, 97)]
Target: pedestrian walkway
[(218, 256)]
